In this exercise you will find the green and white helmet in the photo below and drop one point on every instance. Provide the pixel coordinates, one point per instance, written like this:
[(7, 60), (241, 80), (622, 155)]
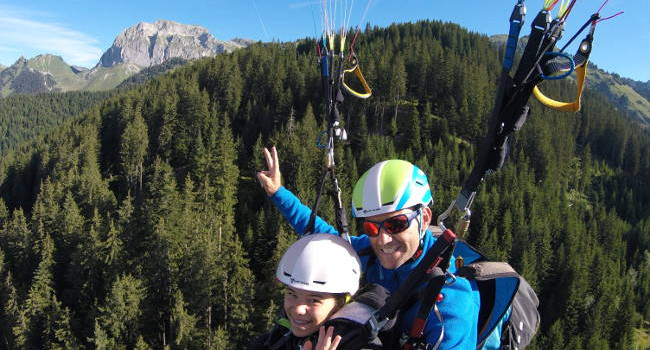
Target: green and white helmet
[(389, 186)]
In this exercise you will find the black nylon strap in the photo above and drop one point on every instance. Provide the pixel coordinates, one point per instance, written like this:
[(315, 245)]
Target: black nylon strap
[(433, 258), (331, 88)]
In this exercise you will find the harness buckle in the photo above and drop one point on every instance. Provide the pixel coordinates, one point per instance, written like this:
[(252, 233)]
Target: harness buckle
[(373, 325), (411, 343)]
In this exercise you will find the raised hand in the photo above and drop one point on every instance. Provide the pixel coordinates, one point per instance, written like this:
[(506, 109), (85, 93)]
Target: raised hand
[(271, 179), (325, 341)]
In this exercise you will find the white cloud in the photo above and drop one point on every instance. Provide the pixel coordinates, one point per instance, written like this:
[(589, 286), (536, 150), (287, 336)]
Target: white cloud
[(21, 33)]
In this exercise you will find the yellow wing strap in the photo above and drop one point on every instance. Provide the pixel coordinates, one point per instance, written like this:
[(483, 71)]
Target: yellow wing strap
[(581, 74), (357, 72)]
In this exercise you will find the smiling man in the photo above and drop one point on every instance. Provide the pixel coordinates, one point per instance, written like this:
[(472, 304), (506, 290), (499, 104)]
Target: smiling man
[(392, 201)]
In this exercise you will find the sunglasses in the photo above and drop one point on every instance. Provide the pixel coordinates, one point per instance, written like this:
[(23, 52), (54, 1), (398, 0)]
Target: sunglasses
[(392, 225)]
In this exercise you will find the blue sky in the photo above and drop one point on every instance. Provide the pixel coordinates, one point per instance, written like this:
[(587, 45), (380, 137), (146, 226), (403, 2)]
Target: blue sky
[(81, 30)]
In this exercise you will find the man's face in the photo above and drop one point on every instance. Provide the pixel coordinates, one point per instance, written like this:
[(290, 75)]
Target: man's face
[(393, 250)]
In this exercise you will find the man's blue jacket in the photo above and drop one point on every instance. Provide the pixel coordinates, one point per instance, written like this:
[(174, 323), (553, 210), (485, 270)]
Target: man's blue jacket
[(460, 301)]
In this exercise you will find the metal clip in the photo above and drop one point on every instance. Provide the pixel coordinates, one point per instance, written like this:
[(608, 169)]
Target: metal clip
[(453, 278)]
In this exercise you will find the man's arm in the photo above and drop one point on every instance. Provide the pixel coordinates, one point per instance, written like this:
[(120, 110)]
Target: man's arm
[(296, 213)]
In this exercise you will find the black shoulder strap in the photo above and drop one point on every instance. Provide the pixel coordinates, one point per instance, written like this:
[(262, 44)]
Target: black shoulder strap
[(429, 297)]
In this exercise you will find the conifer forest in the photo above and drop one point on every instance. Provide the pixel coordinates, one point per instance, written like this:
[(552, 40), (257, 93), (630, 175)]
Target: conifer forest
[(135, 220)]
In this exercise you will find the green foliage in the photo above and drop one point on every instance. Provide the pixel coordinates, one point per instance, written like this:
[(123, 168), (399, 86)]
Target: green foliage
[(44, 323), (119, 321), (23, 117), (150, 72), (140, 223), (133, 149), (643, 338)]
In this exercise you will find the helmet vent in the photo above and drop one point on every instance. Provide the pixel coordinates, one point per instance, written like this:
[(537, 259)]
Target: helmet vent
[(388, 203), (320, 262)]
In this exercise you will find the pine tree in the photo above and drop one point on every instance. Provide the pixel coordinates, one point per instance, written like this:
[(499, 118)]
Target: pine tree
[(9, 307), (236, 291), (113, 249), (44, 323), (84, 280), (93, 190), (133, 149), (556, 336), (118, 324), (164, 132), (17, 240), (412, 133), (182, 323), (397, 84), (643, 286), (624, 327), (4, 214)]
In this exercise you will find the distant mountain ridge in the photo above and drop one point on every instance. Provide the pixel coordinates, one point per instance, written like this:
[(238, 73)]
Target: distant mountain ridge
[(147, 45), (20, 78), (141, 46), (629, 96)]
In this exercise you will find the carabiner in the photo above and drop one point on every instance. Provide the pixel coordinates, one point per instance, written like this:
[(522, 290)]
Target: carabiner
[(565, 74)]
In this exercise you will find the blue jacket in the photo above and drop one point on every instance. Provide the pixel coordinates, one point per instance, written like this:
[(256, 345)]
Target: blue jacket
[(459, 306)]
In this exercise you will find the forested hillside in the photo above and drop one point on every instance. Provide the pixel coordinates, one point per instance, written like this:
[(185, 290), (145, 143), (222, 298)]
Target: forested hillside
[(23, 117), (140, 224)]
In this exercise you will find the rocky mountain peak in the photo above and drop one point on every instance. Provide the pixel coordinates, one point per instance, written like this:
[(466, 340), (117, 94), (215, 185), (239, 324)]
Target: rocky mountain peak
[(147, 44), (21, 61), (20, 78)]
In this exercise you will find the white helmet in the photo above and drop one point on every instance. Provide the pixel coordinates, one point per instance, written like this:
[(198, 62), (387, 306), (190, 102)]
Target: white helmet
[(320, 262)]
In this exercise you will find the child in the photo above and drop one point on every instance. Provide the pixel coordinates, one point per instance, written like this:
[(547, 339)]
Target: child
[(320, 272)]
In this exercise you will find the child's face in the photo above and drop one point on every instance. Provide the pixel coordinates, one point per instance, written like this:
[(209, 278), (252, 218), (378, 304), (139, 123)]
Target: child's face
[(308, 310)]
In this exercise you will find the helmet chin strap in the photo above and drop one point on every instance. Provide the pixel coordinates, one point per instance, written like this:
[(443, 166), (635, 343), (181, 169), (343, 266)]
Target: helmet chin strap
[(421, 231)]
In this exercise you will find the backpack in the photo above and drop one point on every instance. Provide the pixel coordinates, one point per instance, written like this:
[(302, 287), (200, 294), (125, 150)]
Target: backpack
[(507, 300)]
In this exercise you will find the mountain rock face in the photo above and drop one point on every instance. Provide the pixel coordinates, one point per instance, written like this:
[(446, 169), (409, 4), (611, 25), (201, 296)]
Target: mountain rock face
[(149, 44), (20, 78)]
